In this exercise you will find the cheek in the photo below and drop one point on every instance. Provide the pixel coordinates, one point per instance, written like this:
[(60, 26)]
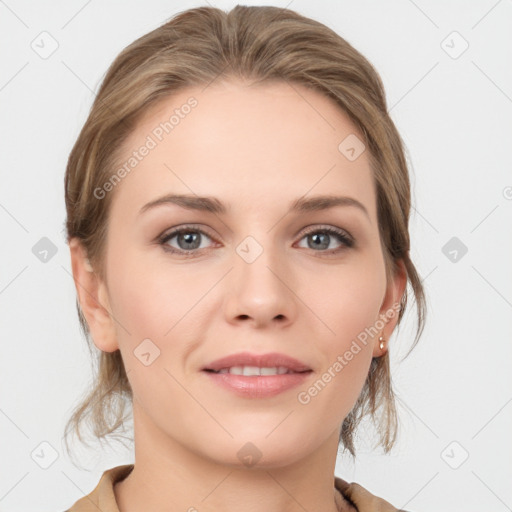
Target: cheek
[(150, 311), (151, 301), (348, 301), (155, 313), (348, 306), (347, 355)]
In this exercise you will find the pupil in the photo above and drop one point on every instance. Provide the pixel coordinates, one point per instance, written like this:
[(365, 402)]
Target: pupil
[(322, 239), (189, 238)]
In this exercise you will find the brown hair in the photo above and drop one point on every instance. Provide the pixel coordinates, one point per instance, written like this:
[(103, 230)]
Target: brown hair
[(260, 44)]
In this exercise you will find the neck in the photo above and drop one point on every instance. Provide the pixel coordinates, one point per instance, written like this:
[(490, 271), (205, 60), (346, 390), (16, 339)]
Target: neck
[(168, 476)]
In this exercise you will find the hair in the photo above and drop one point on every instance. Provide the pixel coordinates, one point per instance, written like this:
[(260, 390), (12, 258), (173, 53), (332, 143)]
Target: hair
[(259, 44)]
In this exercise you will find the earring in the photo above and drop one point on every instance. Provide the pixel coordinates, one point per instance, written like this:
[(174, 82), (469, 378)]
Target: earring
[(382, 342)]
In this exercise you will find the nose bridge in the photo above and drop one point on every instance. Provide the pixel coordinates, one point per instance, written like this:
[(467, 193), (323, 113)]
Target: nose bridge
[(257, 261), (257, 286)]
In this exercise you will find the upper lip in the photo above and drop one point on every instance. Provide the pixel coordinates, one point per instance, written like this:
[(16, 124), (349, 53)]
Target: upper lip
[(269, 360)]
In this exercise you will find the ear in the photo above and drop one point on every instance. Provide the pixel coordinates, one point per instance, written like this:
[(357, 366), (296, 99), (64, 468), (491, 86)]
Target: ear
[(390, 307), (93, 298)]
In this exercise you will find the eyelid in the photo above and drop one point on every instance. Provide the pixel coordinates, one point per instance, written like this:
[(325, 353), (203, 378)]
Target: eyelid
[(172, 232), (313, 228)]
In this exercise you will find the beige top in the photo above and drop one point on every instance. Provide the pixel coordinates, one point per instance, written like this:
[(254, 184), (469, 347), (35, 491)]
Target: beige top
[(102, 498)]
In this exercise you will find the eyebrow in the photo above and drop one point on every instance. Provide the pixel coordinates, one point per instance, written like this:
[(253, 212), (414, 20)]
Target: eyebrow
[(213, 205)]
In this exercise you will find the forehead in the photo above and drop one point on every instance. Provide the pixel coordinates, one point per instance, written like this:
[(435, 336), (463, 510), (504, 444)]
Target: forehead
[(250, 143)]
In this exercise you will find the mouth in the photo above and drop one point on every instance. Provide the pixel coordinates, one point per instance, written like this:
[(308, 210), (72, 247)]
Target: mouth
[(253, 371), (247, 364), (257, 376)]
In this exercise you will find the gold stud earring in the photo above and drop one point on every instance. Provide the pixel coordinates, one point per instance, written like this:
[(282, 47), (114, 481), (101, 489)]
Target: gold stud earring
[(382, 342)]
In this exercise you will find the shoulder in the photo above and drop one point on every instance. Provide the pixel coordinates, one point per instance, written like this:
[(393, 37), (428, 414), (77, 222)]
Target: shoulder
[(102, 497), (362, 499)]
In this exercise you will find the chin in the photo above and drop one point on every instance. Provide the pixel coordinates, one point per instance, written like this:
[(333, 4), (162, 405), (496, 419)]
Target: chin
[(260, 452)]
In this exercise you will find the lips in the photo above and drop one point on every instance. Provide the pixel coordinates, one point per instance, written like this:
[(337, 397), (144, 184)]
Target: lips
[(257, 376), (248, 361)]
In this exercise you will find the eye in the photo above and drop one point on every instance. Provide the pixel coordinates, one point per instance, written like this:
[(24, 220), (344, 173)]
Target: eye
[(320, 238), (188, 240)]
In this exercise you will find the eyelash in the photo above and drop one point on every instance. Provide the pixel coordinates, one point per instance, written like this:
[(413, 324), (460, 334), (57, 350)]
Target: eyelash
[(342, 236)]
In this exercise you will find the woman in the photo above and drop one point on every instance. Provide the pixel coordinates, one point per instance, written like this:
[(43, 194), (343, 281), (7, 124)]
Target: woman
[(237, 215)]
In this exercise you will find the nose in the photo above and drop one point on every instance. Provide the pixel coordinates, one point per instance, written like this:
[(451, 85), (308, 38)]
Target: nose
[(259, 292)]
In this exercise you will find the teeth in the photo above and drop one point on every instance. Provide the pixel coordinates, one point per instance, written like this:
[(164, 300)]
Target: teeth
[(249, 371)]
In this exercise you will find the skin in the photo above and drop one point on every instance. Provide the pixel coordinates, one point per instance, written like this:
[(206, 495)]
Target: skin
[(256, 148)]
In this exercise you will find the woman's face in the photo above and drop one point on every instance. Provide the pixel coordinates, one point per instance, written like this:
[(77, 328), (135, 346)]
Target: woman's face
[(251, 275)]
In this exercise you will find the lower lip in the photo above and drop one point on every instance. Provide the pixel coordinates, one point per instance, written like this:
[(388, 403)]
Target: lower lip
[(258, 386)]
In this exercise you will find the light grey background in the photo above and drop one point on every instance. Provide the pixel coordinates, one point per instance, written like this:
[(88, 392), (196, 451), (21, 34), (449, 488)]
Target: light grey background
[(454, 112)]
